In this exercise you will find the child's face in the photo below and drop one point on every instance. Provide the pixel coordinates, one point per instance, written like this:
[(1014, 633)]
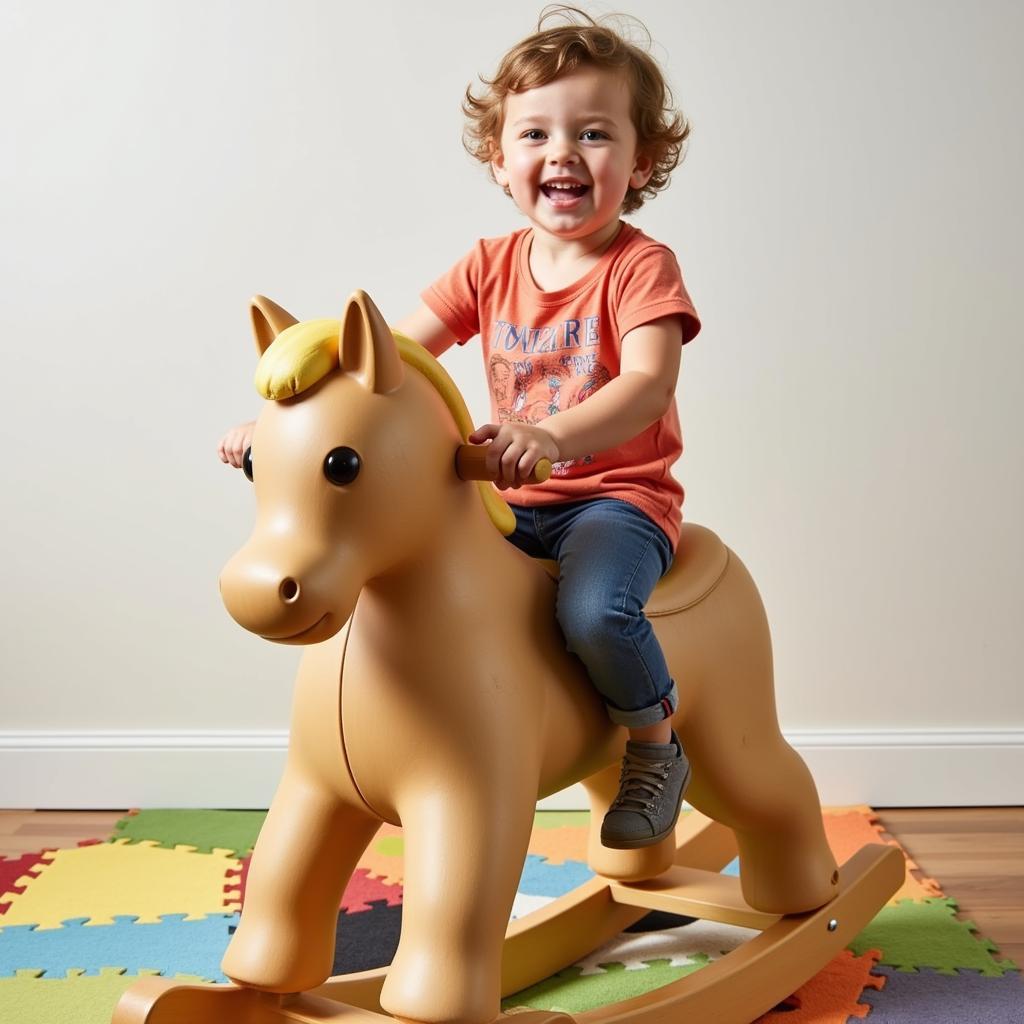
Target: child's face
[(576, 129)]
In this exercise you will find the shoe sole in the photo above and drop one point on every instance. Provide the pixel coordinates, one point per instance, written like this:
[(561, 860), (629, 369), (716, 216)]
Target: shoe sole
[(636, 844)]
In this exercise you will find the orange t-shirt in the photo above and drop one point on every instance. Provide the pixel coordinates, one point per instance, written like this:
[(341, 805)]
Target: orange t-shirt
[(548, 351)]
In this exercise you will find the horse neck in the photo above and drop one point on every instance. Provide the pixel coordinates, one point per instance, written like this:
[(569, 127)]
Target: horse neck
[(466, 560)]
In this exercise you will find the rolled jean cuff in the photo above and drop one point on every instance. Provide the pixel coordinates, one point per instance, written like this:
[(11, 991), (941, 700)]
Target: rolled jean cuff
[(665, 708)]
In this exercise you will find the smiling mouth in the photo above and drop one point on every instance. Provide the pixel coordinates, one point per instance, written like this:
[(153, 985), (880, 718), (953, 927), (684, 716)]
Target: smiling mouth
[(564, 195), (301, 632)]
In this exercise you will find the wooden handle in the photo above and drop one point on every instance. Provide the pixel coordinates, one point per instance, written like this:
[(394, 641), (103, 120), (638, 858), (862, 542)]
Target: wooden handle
[(471, 459)]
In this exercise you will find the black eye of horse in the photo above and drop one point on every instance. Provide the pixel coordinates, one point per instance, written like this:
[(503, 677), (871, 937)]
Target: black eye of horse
[(341, 466), (247, 462)]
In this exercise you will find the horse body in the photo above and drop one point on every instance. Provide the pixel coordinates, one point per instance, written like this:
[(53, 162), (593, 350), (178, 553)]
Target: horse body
[(437, 693), (481, 682)]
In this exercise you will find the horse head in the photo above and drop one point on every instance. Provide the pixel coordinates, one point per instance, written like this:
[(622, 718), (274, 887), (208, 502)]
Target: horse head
[(349, 435)]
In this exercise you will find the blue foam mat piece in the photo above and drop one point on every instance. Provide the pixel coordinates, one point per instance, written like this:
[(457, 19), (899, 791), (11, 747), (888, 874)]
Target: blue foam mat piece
[(541, 878), (172, 946)]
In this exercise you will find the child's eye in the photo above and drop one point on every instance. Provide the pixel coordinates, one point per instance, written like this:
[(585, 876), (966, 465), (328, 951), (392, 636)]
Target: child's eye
[(533, 134), (596, 134)]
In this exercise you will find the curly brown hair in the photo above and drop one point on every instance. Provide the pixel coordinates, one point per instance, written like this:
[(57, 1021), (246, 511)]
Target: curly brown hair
[(550, 53)]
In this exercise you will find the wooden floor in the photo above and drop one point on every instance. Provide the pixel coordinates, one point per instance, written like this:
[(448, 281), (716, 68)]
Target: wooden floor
[(976, 855)]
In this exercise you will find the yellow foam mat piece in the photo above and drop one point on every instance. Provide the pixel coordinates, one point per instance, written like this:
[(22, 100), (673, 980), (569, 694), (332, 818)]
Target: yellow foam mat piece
[(106, 879)]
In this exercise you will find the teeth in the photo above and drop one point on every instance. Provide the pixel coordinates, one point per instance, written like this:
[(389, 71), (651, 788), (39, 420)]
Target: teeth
[(556, 184)]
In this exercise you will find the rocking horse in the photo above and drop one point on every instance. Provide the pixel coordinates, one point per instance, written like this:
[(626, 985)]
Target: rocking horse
[(436, 692)]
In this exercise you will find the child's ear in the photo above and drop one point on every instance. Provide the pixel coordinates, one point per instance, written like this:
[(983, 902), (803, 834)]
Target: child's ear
[(498, 165), (643, 168)]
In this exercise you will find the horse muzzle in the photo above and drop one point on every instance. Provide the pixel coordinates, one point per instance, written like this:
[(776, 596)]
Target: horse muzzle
[(286, 604)]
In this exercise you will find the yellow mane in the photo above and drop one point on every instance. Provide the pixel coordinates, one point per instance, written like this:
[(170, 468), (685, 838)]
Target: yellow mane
[(303, 354)]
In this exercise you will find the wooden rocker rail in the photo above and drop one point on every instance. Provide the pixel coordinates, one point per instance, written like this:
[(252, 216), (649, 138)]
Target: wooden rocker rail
[(734, 989)]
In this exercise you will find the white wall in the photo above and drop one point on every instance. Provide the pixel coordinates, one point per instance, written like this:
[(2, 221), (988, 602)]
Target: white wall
[(849, 223)]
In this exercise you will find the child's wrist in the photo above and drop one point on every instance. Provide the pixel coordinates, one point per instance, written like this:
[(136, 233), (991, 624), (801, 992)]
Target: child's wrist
[(553, 434)]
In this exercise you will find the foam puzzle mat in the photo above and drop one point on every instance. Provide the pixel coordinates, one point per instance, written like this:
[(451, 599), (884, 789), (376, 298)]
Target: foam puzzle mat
[(163, 893)]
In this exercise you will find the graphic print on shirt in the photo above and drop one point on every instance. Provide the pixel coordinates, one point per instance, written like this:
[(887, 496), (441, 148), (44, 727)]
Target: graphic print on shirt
[(536, 372)]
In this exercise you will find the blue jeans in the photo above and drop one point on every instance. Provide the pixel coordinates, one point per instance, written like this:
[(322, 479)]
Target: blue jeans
[(610, 557)]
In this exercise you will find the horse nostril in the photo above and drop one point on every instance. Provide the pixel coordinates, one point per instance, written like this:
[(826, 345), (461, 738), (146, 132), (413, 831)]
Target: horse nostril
[(289, 590)]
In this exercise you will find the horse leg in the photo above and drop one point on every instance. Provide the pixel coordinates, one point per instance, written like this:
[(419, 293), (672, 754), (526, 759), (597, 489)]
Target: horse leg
[(745, 775), (315, 833), (767, 797), (305, 855), (464, 855), (624, 865)]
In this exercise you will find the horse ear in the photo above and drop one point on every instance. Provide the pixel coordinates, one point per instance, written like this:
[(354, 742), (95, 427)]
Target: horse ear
[(366, 346), (268, 321)]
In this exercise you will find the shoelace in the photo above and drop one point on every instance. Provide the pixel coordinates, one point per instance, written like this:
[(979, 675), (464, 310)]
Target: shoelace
[(640, 784)]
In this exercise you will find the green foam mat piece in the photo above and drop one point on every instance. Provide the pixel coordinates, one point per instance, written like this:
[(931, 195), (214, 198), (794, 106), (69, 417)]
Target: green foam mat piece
[(570, 991), (389, 846), (28, 998), (204, 829), (925, 933)]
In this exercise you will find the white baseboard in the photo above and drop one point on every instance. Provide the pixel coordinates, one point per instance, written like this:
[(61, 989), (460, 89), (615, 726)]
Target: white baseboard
[(151, 768), (239, 769), (899, 768)]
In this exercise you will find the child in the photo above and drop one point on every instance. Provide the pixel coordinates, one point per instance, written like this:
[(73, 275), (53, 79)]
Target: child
[(582, 318)]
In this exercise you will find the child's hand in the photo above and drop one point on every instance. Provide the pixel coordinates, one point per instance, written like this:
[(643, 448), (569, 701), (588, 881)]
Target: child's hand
[(514, 451), (234, 443)]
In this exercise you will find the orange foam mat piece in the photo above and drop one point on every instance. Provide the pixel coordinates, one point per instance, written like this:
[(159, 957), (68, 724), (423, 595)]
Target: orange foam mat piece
[(847, 831), (832, 995)]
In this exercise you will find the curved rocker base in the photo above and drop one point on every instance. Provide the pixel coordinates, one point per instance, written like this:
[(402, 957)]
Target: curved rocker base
[(735, 989)]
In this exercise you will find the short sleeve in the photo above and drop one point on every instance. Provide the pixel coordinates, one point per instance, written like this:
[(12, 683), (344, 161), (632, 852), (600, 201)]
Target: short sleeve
[(651, 286), (453, 296)]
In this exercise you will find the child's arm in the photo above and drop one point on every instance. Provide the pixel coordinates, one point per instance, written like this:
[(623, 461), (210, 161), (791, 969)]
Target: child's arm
[(424, 327), (625, 407)]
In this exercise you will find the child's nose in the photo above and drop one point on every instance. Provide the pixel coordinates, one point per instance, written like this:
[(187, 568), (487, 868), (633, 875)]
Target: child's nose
[(563, 152)]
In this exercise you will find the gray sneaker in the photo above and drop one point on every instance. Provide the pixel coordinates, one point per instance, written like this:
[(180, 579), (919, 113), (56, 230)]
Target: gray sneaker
[(651, 786)]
